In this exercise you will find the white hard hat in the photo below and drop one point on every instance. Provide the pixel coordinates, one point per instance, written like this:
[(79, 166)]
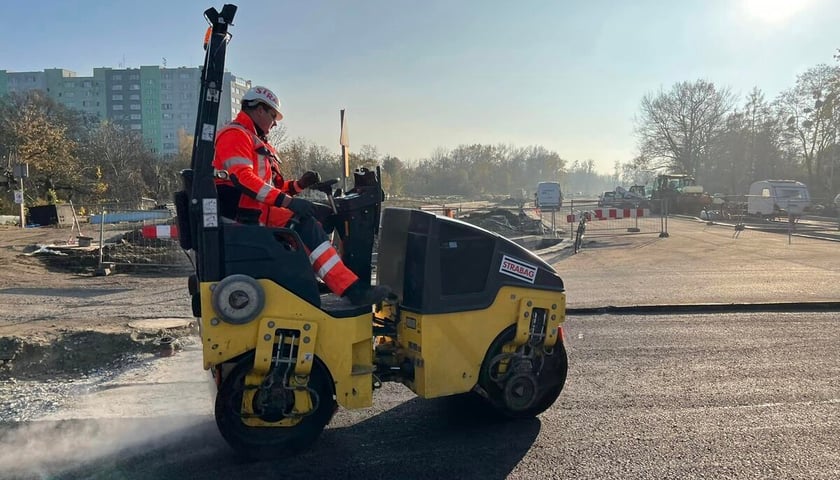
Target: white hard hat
[(262, 95)]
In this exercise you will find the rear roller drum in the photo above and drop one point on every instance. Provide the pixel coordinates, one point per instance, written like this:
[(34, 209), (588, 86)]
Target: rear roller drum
[(270, 405), (524, 383)]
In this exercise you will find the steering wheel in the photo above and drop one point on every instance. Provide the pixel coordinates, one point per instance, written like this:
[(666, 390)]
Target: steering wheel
[(325, 186)]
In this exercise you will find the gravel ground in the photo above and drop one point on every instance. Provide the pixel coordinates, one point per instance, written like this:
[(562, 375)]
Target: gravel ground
[(64, 332)]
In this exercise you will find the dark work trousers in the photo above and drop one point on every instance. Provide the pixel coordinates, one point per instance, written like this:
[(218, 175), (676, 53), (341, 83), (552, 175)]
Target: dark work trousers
[(309, 230)]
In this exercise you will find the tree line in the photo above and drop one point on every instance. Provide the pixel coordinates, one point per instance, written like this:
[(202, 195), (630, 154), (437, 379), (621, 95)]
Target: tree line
[(693, 127), (74, 157), (702, 129)]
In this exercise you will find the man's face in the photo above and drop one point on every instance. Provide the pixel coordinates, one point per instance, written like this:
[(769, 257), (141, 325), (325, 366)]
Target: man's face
[(265, 117)]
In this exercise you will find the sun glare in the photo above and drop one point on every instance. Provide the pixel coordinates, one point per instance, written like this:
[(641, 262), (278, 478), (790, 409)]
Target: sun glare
[(774, 11)]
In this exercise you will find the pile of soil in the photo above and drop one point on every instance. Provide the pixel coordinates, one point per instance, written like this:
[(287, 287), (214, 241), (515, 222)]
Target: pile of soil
[(68, 354), (65, 336), (506, 222)]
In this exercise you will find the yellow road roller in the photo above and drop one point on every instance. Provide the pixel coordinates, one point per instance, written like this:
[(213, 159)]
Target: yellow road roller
[(473, 313)]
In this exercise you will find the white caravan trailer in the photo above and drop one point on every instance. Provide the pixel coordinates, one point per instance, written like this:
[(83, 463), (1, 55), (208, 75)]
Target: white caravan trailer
[(770, 198)]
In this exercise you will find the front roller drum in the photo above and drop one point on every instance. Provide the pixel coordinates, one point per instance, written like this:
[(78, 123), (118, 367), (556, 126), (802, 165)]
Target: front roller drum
[(270, 404), (524, 383)]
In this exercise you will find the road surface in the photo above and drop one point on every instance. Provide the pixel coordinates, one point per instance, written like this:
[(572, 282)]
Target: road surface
[(738, 395)]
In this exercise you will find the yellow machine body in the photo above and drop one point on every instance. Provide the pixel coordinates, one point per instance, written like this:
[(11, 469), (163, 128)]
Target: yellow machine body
[(342, 344), (447, 350)]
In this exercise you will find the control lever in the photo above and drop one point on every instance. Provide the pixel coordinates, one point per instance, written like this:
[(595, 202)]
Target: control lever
[(325, 187)]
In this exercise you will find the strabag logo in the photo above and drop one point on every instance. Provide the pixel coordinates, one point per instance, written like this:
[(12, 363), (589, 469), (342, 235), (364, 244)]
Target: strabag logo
[(518, 269)]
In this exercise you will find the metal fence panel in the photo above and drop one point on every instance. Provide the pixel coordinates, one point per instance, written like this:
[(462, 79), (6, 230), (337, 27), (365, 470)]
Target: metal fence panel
[(129, 237), (613, 221)]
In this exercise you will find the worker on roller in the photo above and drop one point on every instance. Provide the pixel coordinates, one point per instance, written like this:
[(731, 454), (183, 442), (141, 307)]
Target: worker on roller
[(254, 191)]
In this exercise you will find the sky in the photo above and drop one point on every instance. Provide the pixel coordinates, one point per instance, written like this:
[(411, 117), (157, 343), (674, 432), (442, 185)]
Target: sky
[(418, 76)]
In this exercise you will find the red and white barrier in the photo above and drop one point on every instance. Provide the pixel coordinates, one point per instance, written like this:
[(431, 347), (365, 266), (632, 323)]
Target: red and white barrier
[(159, 231), (610, 214)]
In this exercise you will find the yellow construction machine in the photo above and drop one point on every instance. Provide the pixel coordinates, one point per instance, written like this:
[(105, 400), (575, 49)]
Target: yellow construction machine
[(474, 314)]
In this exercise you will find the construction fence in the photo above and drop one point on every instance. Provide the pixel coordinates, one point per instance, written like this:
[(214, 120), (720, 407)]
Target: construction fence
[(630, 219), (123, 237)]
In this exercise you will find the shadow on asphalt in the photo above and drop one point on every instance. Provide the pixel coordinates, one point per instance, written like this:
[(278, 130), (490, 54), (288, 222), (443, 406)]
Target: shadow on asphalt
[(440, 438)]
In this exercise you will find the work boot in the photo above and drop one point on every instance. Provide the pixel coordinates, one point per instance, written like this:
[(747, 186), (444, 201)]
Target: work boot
[(360, 294)]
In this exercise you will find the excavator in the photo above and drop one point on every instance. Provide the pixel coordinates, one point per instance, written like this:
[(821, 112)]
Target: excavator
[(474, 314)]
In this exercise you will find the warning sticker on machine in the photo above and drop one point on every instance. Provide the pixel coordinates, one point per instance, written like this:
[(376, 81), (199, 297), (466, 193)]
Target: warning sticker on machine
[(518, 269)]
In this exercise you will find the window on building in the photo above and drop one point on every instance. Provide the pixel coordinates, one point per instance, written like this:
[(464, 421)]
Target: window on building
[(134, 86), (134, 76), (116, 107), (117, 77), (116, 97), (135, 116), (167, 116), (134, 96), (168, 145), (136, 126), (116, 87), (166, 106), (134, 106)]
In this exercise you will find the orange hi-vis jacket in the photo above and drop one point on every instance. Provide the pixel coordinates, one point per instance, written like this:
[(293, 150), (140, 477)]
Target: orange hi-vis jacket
[(253, 169), (254, 179)]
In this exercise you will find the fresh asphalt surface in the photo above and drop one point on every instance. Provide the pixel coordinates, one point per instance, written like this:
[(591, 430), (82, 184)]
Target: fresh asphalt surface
[(687, 395)]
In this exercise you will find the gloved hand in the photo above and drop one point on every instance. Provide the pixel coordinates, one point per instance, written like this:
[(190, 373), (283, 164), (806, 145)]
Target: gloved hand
[(301, 207), (308, 179)]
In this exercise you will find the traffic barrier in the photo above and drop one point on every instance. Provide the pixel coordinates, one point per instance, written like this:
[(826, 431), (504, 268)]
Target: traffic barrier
[(610, 214), (160, 231)]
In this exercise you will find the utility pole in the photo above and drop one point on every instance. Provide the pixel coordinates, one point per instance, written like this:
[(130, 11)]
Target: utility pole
[(21, 171)]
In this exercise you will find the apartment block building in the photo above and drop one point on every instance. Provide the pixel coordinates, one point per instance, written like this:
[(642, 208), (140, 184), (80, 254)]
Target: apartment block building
[(157, 102)]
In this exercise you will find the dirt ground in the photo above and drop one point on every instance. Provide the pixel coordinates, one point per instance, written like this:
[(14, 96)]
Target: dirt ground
[(58, 318)]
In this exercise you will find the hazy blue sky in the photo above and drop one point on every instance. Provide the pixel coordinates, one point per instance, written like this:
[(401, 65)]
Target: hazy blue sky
[(418, 75)]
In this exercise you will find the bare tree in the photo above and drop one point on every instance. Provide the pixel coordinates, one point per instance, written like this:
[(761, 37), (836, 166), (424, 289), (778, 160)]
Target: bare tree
[(277, 137), (393, 171), (120, 157), (678, 128), (810, 114)]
